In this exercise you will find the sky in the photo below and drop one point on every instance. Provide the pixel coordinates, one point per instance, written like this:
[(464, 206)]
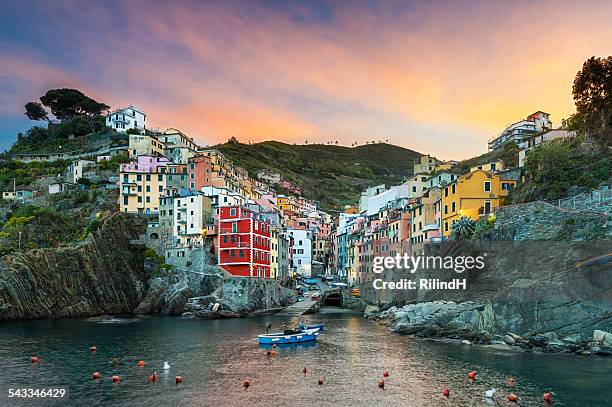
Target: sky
[(439, 77)]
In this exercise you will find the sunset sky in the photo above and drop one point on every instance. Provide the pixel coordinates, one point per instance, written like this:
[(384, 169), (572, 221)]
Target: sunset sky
[(438, 77)]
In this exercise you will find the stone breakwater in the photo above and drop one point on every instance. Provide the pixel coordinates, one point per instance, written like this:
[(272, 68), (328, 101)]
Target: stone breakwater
[(481, 324)]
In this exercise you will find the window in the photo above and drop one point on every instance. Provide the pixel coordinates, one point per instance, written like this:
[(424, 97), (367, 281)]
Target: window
[(453, 188), (148, 188), (148, 177), (233, 212), (232, 253), (487, 207), (505, 186), (487, 186), (446, 191), (139, 177), (446, 209), (446, 226), (414, 188), (241, 253), (148, 199), (225, 239), (493, 167), (235, 227), (453, 207)]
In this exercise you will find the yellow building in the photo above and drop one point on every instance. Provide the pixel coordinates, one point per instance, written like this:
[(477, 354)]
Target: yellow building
[(472, 195), (286, 204), (424, 164), (142, 184), (492, 166), (140, 144), (273, 252), (353, 261)]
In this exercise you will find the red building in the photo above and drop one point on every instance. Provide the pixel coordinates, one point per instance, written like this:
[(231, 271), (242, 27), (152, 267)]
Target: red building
[(199, 171), (244, 242)]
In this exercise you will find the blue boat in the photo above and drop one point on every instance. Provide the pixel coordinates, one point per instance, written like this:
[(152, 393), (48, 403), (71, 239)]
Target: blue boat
[(312, 327), (289, 336)]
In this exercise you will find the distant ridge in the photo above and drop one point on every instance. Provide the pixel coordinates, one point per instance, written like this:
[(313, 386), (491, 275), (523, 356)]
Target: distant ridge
[(331, 174)]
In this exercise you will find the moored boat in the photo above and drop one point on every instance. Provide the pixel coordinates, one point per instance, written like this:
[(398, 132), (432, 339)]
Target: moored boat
[(289, 336), (312, 327)]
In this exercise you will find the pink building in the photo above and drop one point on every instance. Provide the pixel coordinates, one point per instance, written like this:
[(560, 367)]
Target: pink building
[(146, 164)]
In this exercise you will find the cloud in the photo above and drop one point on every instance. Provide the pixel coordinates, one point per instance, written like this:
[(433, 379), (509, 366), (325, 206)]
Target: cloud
[(439, 77)]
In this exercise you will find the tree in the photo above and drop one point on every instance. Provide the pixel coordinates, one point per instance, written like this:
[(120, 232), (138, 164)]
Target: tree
[(35, 111), (66, 103), (592, 91)]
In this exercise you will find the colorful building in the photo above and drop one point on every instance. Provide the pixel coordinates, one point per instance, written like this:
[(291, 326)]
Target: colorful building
[(141, 184), (244, 242), (472, 195)]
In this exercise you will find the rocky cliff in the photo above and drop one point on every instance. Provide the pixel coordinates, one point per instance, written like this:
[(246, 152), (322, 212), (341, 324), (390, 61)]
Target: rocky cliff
[(553, 294), (103, 274)]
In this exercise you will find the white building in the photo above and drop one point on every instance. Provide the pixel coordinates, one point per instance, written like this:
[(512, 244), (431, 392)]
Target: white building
[(521, 130), (530, 143), (302, 251), (60, 187), (369, 193), (376, 202), (223, 196), (440, 179), (126, 118), (191, 212), (77, 168)]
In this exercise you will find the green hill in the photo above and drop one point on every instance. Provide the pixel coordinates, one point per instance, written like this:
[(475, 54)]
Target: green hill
[(333, 175)]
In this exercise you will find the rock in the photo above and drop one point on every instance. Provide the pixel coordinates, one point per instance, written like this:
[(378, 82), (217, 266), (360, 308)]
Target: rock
[(602, 338), (371, 311), (466, 342), (509, 340), (176, 302), (104, 274), (517, 338)]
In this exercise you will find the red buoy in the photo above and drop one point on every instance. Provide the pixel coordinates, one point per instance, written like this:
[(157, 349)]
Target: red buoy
[(178, 379), (511, 380), (93, 348), (35, 359), (304, 370), (472, 374), (547, 397), (153, 377), (386, 373), (246, 384), (320, 381), (381, 383), (273, 353), (512, 397), (445, 392), (141, 363), (95, 375), (116, 379)]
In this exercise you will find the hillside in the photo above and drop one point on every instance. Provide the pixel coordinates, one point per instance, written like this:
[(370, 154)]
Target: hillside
[(333, 175)]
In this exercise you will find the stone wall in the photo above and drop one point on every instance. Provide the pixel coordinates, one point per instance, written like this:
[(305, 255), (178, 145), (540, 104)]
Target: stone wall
[(543, 221)]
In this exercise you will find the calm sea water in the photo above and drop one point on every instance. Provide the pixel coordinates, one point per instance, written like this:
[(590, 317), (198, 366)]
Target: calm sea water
[(215, 357)]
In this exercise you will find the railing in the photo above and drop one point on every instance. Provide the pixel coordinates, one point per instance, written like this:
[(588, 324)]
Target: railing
[(602, 195)]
